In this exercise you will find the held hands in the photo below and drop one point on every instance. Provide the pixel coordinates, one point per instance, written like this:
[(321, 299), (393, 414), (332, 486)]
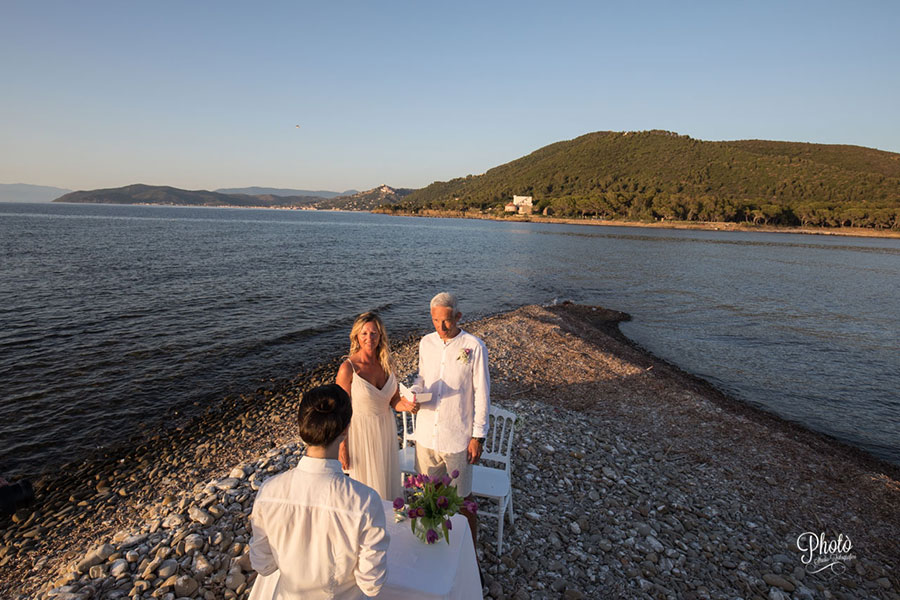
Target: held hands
[(404, 405), (473, 452)]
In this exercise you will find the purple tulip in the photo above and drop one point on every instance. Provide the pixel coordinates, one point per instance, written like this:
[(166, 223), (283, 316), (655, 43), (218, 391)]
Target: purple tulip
[(446, 480), (448, 524), (442, 502), (455, 473), (419, 479), (431, 536), (420, 512), (471, 506), (426, 479), (398, 503), (412, 514)]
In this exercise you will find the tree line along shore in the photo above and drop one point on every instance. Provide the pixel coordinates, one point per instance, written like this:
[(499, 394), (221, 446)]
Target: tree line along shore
[(696, 225), (632, 479)]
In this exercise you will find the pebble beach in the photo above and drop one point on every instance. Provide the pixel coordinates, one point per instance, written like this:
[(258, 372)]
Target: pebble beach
[(631, 478)]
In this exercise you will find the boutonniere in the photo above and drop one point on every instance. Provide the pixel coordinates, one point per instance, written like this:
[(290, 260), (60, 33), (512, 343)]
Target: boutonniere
[(464, 355)]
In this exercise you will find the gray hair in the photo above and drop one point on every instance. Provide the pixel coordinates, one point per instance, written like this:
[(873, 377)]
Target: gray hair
[(446, 299)]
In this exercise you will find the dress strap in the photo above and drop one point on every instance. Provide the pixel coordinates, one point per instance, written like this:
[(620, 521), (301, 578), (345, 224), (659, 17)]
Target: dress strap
[(352, 366)]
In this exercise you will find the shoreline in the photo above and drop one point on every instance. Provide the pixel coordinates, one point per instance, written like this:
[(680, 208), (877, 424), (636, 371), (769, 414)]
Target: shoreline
[(695, 225), (861, 232), (581, 388)]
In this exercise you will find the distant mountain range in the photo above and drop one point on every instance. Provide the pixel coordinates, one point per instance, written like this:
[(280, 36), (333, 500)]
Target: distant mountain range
[(264, 191), (23, 192), (165, 195)]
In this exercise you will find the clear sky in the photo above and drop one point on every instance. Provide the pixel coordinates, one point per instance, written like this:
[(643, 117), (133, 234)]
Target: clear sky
[(207, 94)]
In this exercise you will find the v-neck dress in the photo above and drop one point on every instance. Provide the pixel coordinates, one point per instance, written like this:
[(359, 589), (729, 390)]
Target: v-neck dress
[(372, 437)]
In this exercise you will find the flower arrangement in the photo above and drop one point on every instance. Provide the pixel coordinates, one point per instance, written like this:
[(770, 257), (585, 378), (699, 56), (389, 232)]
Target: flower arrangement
[(464, 355), (431, 502)]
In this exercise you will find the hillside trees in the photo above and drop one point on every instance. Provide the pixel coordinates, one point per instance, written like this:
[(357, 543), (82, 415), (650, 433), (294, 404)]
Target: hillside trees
[(653, 176)]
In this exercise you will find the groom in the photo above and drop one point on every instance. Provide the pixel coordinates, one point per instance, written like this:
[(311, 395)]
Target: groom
[(450, 428)]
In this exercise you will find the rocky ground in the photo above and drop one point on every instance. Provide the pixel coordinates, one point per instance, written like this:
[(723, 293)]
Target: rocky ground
[(632, 479)]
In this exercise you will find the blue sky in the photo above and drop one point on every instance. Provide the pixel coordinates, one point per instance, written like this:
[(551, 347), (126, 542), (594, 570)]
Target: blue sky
[(203, 95)]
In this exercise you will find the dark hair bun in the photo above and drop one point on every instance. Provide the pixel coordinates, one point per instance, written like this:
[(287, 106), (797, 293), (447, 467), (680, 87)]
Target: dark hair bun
[(324, 414), (325, 406)]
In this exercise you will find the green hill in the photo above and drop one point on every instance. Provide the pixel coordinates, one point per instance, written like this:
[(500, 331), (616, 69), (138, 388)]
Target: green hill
[(659, 175)]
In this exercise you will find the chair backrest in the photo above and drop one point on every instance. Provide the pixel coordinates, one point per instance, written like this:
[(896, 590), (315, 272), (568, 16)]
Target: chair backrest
[(409, 428), (498, 444)]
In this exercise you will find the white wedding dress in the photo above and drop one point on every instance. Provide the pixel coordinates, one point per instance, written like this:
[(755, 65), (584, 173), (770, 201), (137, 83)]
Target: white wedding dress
[(372, 437)]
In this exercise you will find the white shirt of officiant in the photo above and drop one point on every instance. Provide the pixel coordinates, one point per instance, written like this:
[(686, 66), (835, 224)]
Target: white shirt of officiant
[(324, 533), (456, 373)]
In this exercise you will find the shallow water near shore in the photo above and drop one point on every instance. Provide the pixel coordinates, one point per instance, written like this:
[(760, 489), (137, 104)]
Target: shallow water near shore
[(116, 320)]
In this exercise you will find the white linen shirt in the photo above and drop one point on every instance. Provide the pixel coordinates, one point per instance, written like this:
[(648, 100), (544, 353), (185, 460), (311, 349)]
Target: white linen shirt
[(323, 531), (456, 373)]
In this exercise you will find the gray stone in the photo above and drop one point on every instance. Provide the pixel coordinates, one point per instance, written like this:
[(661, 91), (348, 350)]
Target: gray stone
[(228, 483), (95, 557), (778, 581), (202, 566), (118, 568), (776, 594), (172, 521), (167, 568), (654, 543), (235, 579), (193, 543), (198, 515), (186, 586), (133, 540)]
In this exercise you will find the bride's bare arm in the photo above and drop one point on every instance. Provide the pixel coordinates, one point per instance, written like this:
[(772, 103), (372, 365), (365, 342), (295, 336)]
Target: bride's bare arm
[(345, 380)]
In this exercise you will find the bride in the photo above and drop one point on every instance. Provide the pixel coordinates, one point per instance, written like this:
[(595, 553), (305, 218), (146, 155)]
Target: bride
[(370, 452)]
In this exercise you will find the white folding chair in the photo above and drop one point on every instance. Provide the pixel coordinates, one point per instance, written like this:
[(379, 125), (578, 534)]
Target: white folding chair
[(408, 452), (496, 483)]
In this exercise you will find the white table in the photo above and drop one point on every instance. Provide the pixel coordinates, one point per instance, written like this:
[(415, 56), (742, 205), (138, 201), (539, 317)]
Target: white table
[(419, 571)]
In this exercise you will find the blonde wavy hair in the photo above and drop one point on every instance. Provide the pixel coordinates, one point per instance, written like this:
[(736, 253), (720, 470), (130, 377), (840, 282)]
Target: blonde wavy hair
[(383, 351)]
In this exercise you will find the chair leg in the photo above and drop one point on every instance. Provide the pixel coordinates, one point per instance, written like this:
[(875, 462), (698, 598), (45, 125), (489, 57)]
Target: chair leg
[(500, 526), (512, 514)]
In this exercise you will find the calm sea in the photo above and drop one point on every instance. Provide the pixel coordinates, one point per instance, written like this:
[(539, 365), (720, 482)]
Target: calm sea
[(115, 319)]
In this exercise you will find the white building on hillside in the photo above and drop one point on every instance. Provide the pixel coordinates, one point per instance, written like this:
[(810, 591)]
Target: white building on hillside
[(523, 204)]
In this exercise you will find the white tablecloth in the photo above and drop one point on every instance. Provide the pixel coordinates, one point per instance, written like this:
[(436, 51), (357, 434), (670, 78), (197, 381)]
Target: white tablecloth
[(418, 571)]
